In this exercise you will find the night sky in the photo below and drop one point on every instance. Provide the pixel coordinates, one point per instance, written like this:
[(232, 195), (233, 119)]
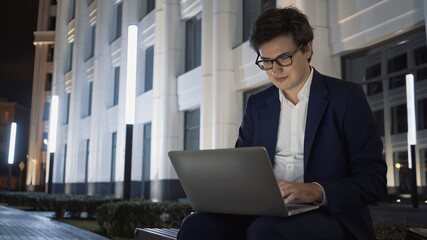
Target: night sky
[(18, 21)]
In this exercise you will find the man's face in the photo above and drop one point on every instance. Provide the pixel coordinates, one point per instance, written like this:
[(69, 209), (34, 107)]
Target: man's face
[(291, 78)]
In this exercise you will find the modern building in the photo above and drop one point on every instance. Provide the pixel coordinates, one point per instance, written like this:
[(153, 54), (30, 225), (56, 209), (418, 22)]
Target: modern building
[(195, 70), (44, 39)]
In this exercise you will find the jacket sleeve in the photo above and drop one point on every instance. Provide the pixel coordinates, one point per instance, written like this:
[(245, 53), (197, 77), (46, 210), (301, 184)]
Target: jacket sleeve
[(366, 178), (246, 129)]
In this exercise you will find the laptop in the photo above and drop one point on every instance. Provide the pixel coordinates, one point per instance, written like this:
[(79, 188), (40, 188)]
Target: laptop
[(232, 181)]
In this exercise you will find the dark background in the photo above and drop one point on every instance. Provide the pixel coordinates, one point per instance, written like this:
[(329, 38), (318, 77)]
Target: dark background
[(18, 21)]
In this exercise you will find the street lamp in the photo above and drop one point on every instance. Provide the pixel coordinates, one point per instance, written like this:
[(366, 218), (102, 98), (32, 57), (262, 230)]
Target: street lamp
[(412, 137), (53, 122), (130, 106), (11, 158)]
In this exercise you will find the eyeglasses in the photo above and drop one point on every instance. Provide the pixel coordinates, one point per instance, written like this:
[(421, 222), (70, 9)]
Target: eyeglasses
[(283, 60)]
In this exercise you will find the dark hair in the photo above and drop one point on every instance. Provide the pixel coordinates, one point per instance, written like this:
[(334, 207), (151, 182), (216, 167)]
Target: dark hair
[(274, 22)]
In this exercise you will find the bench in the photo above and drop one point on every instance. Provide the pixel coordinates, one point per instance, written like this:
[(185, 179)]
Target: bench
[(416, 234), (171, 233), (156, 233)]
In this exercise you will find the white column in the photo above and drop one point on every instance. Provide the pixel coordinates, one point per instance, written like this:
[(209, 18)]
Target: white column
[(206, 131), (99, 164), (36, 121), (225, 120), (167, 123), (59, 85), (317, 13), (76, 163)]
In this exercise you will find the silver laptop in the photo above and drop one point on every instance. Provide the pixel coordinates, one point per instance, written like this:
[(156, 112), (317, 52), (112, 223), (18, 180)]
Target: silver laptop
[(232, 181)]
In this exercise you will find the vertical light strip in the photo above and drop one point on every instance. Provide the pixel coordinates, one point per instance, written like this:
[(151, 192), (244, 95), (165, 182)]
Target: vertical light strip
[(53, 122), (12, 143), (410, 104), (131, 74)]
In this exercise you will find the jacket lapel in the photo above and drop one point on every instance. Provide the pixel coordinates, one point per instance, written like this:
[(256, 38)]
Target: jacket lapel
[(316, 108), (270, 115)]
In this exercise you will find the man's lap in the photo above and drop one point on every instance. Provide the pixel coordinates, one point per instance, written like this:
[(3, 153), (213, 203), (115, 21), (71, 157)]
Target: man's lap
[(311, 225)]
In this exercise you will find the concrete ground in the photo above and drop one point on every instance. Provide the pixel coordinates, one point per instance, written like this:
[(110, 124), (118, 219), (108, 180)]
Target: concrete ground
[(23, 225)]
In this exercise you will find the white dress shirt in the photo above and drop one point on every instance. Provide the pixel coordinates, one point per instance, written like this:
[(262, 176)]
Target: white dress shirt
[(289, 158)]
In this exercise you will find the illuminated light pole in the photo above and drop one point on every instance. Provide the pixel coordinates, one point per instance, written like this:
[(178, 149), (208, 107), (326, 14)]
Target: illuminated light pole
[(130, 106), (53, 122), (11, 158), (412, 137)]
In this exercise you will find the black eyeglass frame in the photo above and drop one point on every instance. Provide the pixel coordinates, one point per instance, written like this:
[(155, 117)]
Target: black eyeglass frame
[(281, 56)]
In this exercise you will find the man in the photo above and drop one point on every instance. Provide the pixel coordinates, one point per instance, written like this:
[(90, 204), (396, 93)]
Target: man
[(320, 135)]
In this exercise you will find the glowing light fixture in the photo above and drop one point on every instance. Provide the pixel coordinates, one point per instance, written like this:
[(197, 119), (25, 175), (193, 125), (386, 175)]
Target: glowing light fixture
[(131, 74), (12, 143), (410, 102), (53, 124), (412, 137)]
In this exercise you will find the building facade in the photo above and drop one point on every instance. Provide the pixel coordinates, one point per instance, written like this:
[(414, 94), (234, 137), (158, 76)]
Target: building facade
[(44, 39), (195, 69)]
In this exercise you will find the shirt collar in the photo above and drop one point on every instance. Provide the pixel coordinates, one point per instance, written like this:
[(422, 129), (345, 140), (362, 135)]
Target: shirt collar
[(303, 93)]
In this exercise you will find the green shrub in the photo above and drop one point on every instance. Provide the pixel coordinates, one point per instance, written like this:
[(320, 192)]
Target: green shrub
[(120, 219), (63, 205)]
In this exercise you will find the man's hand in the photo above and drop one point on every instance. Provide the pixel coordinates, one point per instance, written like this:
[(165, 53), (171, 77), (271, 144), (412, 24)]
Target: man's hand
[(305, 192)]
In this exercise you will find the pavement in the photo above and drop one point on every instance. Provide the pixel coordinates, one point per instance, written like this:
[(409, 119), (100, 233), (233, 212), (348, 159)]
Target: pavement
[(23, 225)]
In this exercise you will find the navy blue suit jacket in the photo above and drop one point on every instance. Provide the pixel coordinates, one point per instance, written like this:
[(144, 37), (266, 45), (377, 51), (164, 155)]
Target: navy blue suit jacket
[(342, 147)]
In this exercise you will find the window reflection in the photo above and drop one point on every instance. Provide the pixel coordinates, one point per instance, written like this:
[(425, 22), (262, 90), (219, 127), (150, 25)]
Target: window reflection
[(402, 174), (396, 64), (374, 86), (422, 114), (399, 121)]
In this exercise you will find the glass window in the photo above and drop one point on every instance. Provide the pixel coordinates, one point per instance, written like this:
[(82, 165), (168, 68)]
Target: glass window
[(50, 53), (52, 23), (89, 104), (87, 100), (423, 165), (149, 65), (396, 64), (44, 142), (379, 118), (48, 86), (422, 114), (72, 10), (91, 42), (374, 83), (151, 5), (87, 160), (146, 160), (69, 62), (46, 111), (402, 174), (399, 121), (67, 110), (192, 130), (116, 82), (64, 165), (193, 42), (113, 156), (420, 55), (145, 7), (251, 10), (117, 31)]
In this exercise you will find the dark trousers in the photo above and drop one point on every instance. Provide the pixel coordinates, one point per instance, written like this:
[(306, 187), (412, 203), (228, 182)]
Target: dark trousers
[(311, 225)]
